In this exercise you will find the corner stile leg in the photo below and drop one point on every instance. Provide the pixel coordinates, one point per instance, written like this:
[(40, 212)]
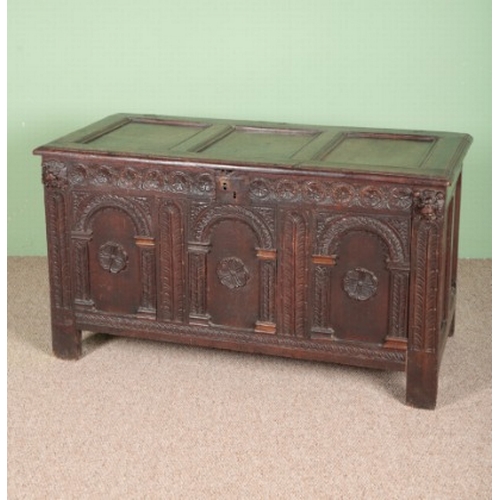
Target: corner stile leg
[(424, 325), (66, 340)]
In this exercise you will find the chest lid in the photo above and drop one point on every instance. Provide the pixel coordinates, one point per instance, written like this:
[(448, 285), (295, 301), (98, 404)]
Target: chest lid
[(239, 144)]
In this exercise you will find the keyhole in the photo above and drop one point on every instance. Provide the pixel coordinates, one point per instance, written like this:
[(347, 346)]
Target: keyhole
[(224, 186), (234, 195)]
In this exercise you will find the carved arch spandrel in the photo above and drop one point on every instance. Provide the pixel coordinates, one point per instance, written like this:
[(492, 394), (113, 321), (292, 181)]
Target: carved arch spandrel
[(205, 221), (336, 227), (135, 208)]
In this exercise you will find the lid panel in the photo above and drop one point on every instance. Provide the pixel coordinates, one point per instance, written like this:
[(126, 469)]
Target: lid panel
[(381, 150), (155, 138), (261, 143)]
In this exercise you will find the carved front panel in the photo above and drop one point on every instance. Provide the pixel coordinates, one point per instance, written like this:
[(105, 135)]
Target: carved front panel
[(114, 263), (361, 278), (360, 289), (233, 276), (113, 253)]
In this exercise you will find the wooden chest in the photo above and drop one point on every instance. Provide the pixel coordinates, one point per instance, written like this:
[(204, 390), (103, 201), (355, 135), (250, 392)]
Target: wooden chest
[(323, 243)]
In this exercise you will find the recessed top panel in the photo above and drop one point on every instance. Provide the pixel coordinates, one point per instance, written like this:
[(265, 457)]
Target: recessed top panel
[(144, 137), (261, 143), (381, 150)]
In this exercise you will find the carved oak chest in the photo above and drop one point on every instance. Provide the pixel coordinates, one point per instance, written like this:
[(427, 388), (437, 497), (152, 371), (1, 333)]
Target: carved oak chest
[(323, 243)]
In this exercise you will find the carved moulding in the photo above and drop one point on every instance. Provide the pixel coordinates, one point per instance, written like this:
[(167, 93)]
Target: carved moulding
[(158, 329)]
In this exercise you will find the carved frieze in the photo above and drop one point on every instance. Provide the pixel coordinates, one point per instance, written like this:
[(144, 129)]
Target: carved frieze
[(341, 194), (147, 178)]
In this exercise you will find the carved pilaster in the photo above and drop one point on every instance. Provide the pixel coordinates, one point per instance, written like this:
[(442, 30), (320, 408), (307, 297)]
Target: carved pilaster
[(147, 259), (55, 207), (81, 267), (399, 300), (426, 244), (171, 262), (320, 318), (198, 283), (294, 275), (267, 320)]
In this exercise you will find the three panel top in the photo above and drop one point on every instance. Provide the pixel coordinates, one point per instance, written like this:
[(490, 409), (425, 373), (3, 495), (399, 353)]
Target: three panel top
[(241, 144)]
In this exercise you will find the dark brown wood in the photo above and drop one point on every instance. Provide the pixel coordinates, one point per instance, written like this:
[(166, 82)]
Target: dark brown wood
[(321, 243)]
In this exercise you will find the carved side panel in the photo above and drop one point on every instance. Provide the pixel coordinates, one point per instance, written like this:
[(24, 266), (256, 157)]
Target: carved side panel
[(293, 268), (171, 280)]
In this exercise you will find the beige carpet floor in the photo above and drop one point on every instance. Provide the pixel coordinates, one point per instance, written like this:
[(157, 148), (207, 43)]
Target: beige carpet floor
[(139, 419)]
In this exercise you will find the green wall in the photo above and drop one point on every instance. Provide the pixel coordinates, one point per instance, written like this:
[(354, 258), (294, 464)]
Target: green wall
[(415, 64)]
